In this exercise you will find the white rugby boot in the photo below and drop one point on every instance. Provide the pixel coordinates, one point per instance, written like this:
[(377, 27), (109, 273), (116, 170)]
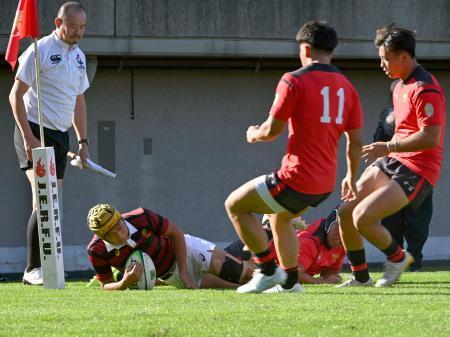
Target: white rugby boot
[(261, 282), (392, 271), (352, 282), (296, 288), (34, 277)]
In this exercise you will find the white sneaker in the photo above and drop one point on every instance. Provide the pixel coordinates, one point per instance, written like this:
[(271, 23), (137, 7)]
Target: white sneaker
[(33, 277), (296, 288), (352, 282), (392, 271), (261, 282)]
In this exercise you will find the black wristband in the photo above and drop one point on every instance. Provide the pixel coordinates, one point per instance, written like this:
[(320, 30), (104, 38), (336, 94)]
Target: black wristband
[(84, 140)]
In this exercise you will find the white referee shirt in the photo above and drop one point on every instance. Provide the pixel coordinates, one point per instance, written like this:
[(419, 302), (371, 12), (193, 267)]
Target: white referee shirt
[(63, 78)]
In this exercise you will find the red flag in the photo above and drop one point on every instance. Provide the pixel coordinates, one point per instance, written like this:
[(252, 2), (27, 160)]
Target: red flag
[(25, 24)]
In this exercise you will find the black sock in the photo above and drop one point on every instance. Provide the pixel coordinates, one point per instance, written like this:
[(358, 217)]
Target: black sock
[(266, 262), (391, 249), (33, 257), (394, 252), (292, 278), (358, 264)]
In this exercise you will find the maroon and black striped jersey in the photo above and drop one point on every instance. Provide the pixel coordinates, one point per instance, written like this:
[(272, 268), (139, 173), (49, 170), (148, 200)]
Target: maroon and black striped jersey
[(149, 237)]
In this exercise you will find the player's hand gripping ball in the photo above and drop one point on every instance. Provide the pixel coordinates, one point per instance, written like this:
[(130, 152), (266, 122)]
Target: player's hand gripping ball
[(148, 278)]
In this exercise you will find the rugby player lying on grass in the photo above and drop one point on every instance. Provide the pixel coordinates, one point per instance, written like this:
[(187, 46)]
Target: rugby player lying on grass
[(181, 260), (320, 254)]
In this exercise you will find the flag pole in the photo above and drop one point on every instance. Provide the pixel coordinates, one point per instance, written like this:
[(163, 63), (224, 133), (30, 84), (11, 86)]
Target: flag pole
[(38, 89)]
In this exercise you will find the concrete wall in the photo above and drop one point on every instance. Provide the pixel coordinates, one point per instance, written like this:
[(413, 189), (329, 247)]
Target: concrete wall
[(279, 19), (196, 120), (236, 28)]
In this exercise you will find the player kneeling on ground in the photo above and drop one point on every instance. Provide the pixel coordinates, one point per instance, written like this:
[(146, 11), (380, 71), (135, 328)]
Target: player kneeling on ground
[(181, 260)]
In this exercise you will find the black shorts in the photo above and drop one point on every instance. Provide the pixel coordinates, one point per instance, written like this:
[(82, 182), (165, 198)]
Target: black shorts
[(280, 197), (416, 188), (58, 139)]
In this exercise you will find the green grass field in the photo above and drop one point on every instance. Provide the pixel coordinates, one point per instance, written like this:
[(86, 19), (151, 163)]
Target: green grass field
[(418, 306)]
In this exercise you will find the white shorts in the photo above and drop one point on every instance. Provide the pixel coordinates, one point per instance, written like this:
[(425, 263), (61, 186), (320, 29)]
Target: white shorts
[(198, 260)]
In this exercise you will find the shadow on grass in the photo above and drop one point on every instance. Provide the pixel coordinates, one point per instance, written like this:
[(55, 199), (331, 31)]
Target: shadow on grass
[(385, 293), (425, 282)]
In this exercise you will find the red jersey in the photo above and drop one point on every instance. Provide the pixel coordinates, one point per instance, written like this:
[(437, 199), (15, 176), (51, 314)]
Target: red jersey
[(314, 255), (149, 238), (418, 102), (320, 104)]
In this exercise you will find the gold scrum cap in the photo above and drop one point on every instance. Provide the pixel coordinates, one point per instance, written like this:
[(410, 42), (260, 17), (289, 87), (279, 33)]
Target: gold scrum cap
[(102, 218)]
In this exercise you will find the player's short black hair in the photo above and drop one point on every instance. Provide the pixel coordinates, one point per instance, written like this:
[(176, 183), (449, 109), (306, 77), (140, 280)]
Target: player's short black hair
[(68, 7), (395, 39), (319, 35)]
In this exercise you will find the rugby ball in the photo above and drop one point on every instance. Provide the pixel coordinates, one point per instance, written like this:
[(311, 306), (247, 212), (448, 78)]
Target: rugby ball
[(148, 278)]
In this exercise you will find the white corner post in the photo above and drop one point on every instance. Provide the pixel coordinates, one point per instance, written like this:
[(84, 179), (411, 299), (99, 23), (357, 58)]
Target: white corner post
[(47, 203)]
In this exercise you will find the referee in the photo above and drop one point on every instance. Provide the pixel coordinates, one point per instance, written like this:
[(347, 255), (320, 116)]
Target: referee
[(63, 83)]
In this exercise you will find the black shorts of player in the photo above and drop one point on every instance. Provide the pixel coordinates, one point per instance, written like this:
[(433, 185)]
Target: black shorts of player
[(289, 198), (416, 188), (58, 139)]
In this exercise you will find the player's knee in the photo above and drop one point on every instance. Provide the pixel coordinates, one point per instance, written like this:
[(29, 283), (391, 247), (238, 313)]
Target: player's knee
[(345, 212), (231, 204)]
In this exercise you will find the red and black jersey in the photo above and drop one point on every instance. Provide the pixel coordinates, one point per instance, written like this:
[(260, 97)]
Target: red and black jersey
[(314, 255), (149, 238), (320, 104), (419, 102)]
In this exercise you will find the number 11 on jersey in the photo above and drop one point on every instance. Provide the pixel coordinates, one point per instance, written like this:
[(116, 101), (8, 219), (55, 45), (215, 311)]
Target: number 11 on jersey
[(325, 92)]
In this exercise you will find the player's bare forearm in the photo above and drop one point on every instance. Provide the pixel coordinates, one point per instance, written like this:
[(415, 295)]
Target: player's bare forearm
[(426, 138), (353, 160), (331, 276), (119, 285), (80, 118), (266, 132), (354, 152), (130, 277), (306, 278)]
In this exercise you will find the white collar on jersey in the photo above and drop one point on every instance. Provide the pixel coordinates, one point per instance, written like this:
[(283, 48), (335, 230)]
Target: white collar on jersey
[(61, 43), (131, 243)]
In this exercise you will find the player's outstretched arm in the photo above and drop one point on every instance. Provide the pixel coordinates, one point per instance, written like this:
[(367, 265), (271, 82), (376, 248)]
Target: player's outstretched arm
[(267, 131), (304, 277)]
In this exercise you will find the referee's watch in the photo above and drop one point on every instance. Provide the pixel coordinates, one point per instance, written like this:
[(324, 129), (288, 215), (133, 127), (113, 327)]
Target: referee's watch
[(84, 140)]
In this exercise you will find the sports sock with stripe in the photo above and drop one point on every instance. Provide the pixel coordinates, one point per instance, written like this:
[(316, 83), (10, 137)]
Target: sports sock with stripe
[(358, 265), (266, 262), (394, 252)]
